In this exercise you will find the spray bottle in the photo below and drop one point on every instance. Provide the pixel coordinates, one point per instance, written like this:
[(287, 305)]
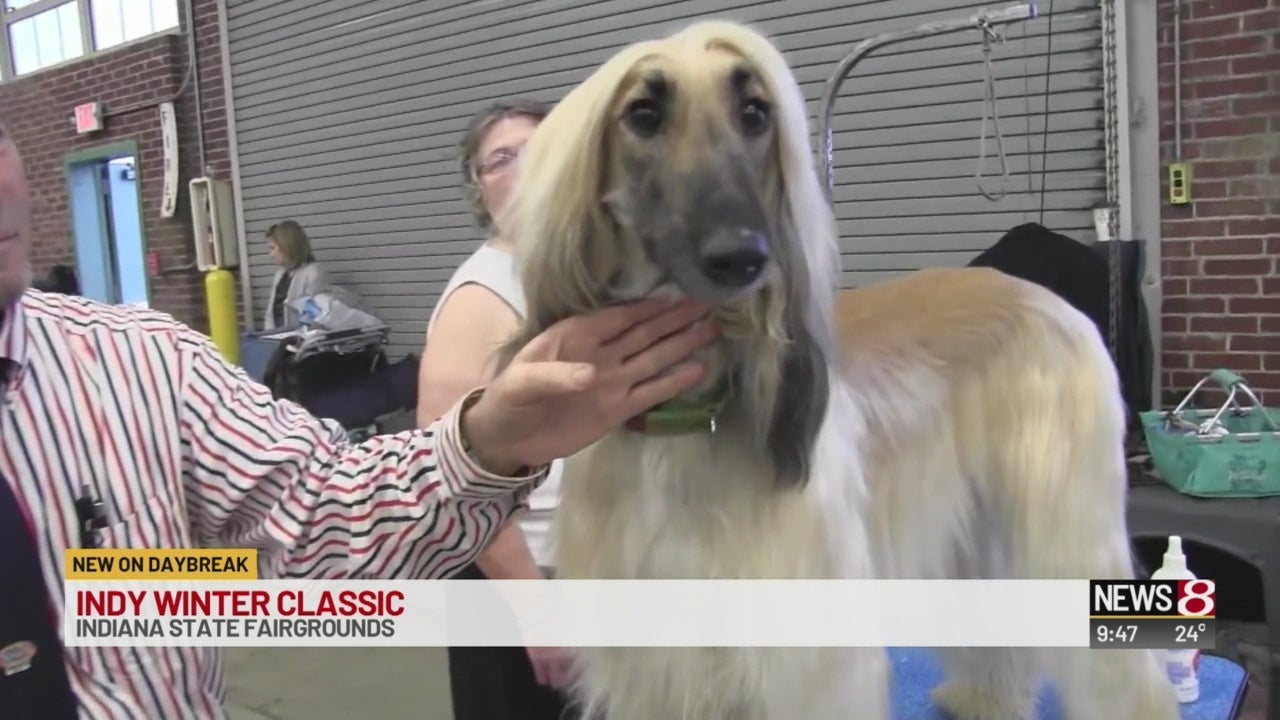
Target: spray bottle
[(1182, 665)]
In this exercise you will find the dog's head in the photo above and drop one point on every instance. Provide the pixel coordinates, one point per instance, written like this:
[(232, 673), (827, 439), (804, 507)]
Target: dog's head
[(691, 162), (682, 166)]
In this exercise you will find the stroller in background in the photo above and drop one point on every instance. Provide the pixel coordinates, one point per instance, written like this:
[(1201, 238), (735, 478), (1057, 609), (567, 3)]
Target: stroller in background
[(334, 365)]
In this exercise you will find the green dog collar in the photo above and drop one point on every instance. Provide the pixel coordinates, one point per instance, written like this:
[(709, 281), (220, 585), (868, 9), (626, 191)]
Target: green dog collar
[(682, 415)]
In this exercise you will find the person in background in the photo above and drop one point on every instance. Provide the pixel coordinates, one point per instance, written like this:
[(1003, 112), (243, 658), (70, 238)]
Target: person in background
[(298, 276), (480, 308), (123, 428)]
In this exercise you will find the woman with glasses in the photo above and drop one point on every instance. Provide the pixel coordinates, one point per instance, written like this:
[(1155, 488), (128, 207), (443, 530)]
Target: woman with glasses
[(480, 308)]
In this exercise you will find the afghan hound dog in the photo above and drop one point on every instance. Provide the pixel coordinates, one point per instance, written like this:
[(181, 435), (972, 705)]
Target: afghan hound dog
[(953, 424)]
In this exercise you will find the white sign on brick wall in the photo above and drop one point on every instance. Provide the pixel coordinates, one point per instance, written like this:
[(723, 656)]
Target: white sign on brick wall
[(169, 140)]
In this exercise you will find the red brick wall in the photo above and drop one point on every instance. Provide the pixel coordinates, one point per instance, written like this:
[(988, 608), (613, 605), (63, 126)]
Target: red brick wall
[(38, 110), (1221, 251)]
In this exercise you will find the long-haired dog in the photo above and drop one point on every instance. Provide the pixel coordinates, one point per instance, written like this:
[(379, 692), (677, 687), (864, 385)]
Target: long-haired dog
[(953, 424)]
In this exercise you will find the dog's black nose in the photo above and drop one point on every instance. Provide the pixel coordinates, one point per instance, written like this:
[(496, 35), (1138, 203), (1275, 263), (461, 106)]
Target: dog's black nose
[(734, 264), (735, 268)]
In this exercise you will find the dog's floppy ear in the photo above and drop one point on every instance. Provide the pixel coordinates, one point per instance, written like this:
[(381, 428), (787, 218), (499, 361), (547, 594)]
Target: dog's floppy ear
[(799, 411), (802, 391)]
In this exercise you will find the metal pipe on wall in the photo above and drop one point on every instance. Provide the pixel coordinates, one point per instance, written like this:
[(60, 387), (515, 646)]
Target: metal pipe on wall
[(233, 150), (194, 64), (1177, 79), (1005, 16)]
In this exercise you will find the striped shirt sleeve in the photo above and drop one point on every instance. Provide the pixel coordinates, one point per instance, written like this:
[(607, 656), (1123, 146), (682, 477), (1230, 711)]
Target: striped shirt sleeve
[(264, 473)]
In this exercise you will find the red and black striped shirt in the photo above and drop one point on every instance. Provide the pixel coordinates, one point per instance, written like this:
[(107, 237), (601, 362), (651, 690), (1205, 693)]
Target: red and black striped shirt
[(185, 450)]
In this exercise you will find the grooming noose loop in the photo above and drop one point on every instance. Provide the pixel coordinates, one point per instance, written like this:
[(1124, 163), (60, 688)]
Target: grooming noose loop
[(989, 103), (831, 89)]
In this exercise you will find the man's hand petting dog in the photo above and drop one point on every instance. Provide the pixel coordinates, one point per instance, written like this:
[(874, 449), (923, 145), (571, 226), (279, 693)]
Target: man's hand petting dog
[(584, 377)]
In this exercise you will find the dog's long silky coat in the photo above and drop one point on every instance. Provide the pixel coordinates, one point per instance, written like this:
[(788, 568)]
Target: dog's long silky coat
[(958, 423)]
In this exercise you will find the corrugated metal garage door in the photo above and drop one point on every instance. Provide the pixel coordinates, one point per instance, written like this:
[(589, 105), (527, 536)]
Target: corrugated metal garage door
[(347, 116)]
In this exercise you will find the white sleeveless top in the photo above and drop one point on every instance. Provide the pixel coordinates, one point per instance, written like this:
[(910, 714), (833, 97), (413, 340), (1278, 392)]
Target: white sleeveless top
[(496, 270)]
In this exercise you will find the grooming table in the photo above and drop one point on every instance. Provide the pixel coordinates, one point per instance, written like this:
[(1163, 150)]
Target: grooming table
[(916, 673)]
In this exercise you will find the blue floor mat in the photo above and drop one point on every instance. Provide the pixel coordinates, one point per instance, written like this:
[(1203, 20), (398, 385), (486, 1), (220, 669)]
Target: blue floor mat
[(916, 673)]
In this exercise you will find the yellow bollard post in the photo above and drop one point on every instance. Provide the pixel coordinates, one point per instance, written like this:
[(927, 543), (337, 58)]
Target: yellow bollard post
[(220, 298)]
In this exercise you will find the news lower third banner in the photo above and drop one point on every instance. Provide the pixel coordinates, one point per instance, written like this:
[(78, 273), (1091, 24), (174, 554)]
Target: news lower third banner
[(194, 598)]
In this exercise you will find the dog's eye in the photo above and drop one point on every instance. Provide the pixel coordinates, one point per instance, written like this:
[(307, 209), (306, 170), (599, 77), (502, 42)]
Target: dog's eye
[(644, 117), (755, 117)]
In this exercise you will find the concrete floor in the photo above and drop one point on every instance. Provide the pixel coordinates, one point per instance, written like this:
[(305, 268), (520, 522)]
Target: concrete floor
[(338, 684)]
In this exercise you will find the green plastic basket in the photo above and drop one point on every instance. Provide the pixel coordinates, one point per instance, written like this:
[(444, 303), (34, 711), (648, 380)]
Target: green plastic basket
[(1233, 451)]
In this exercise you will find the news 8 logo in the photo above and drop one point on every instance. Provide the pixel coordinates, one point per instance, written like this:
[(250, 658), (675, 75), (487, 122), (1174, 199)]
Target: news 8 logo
[(1196, 598), (1153, 598)]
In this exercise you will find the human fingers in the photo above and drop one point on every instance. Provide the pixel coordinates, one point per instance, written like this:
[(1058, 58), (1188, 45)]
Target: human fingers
[(605, 325), (561, 674), (664, 387), (645, 334), (557, 667), (669, 350), (541, 673), (551, 666)]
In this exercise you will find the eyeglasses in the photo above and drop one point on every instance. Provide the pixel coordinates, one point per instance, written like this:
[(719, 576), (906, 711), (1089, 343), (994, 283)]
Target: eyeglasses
[(497, 160)]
